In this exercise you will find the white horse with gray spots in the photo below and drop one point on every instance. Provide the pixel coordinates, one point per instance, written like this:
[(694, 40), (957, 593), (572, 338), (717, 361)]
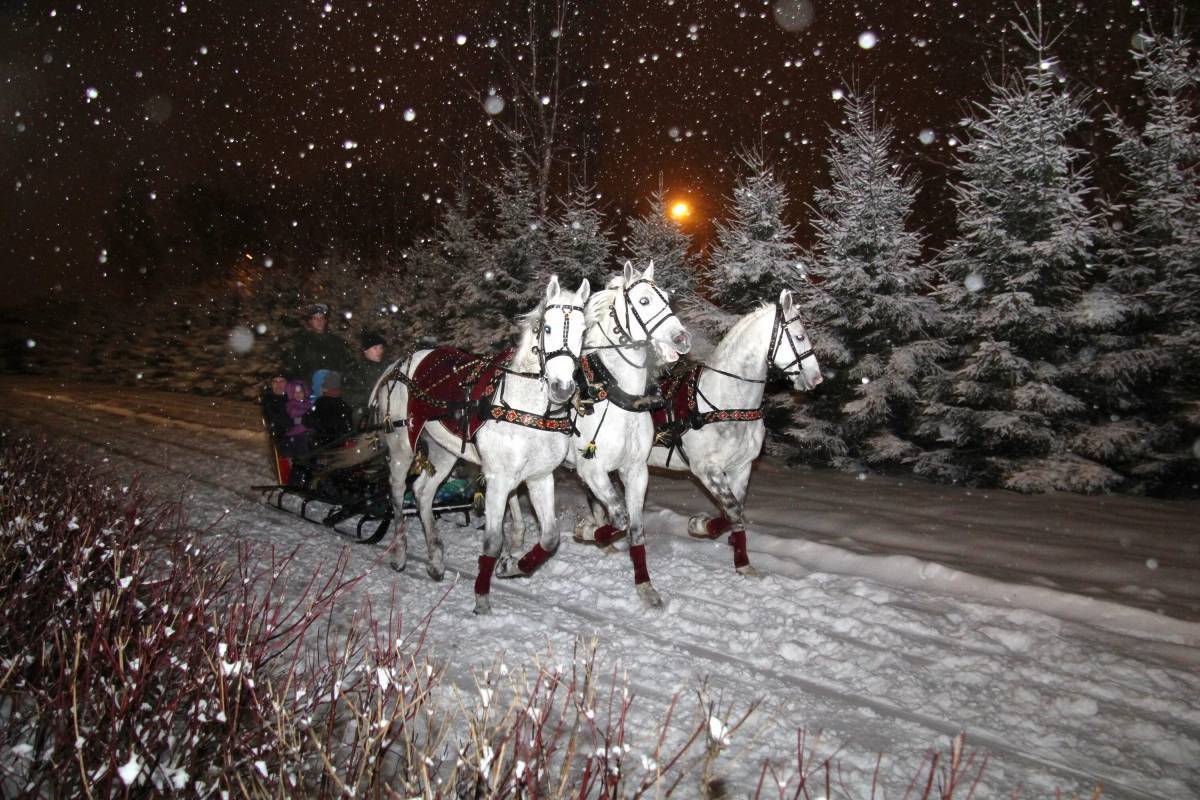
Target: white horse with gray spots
[(712, 424)]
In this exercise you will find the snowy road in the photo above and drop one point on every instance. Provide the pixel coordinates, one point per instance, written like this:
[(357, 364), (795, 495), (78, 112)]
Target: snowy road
[(1062, 634)]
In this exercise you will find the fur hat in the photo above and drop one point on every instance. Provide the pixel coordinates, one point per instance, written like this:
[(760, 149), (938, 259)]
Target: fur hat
[(370, 339), (315, 309)]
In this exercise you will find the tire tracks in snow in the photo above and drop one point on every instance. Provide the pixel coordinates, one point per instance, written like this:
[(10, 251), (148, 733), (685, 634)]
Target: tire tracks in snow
[(124, 439)]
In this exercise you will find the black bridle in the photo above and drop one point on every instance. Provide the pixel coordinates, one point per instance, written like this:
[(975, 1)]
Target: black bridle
[(545, 356), (781, 332), (659, 317)]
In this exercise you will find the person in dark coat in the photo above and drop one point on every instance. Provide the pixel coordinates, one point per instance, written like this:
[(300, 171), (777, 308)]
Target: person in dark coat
[(362, 374), (330, 418), (315, 347), (273, 402)]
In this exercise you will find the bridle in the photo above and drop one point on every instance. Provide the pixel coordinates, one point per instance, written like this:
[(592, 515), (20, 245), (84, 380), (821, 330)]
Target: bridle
[(658, 318), (780, 333), (545, 356), (624, 332)]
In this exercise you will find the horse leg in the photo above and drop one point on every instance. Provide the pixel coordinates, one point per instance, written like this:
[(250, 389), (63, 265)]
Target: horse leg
[(514, 531), (636, 477), (602, 487), (739, 478), (498, 490), (595, 508), (424, 489), (541, 497), (729, 491), (400, 458)]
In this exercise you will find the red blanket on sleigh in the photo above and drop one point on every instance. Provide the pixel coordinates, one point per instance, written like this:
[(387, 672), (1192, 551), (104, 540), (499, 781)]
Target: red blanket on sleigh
[(452, 387)]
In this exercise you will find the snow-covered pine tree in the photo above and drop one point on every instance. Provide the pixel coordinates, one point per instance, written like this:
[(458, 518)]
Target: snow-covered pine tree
[(655, 237), (517, 253), (1143, 356), (579, 246), (1012, 274), (472, 317), (869, 263), (755, 255)]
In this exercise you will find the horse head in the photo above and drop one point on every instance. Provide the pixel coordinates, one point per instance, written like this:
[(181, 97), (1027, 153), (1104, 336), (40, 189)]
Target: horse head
[(791, 350), (643, 314), (560, 337)]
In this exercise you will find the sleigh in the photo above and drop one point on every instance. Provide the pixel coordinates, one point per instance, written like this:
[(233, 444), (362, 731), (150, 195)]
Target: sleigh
[(344, 486)]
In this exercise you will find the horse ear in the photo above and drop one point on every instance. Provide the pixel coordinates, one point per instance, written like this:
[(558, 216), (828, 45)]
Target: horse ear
[(628, 272), (552, 289), (786, 301), (649, 273), (584, 291)]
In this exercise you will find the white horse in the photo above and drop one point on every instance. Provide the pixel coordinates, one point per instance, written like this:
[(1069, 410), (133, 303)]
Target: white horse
[(715, 427), (626, 321), (524, 436)]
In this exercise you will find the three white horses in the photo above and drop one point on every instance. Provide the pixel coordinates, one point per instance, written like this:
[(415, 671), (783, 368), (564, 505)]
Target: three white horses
[(715, 428), (524, 436), (626, 321)]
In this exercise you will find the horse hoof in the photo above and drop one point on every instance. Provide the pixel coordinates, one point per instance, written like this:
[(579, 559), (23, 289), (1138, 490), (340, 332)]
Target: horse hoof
[(436, 572), (507, 568), (701, 527), (748, 571), (649, 595), (483, 606), (584, 532), (397, 565)]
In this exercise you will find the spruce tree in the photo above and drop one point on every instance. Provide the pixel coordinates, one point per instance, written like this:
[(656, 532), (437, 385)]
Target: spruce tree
[(579, 246), (655, 237), (1140, 365), (473, 318), (755, 255), (870, 265), (517, 253), (1012, 274)]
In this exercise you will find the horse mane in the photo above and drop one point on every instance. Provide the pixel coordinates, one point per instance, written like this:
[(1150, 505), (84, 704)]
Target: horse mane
[(602, 299), (739, 328), (523, 359)]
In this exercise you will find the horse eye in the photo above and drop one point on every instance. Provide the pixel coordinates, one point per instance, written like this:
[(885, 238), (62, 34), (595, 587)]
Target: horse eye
[(546, 329), (645, 301)]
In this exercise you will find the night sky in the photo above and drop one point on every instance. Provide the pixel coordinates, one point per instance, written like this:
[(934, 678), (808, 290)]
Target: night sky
[(300, 107)]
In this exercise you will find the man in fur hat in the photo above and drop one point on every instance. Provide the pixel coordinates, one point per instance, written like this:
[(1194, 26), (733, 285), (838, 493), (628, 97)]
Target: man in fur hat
[(359, 378)]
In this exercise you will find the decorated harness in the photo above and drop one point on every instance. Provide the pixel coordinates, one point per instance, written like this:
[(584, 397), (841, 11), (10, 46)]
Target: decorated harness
[(681, 393), (597, 383), (462, 390)]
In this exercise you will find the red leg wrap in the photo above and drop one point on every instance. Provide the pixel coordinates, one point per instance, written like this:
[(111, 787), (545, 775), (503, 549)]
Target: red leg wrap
[(717, 526), (637, 554), (483, 581), (738, 540), (607, 534), (533, 559)]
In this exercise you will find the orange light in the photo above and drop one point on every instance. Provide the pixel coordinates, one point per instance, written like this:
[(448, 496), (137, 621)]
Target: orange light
[(681, 211)]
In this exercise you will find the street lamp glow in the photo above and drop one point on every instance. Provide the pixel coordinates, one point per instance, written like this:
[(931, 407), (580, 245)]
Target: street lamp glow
[(680, 211)]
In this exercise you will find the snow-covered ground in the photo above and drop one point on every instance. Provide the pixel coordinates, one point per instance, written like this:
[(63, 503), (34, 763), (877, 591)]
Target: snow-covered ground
[(1060, 633)]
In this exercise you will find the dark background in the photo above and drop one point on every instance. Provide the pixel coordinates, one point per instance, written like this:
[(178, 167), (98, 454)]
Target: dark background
[(165, 136)]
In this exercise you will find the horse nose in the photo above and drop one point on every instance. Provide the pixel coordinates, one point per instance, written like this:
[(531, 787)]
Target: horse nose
[(682, 341), (817, 379), (561, 390)]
